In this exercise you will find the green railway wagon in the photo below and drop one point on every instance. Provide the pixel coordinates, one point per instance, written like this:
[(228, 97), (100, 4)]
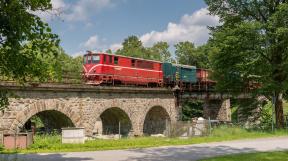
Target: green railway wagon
[(185, 73)]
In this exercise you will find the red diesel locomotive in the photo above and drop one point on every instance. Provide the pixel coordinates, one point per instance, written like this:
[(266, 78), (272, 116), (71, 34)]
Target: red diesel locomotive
[(103, 68)]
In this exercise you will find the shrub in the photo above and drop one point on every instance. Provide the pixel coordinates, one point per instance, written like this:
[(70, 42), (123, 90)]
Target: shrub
[(45, 141)]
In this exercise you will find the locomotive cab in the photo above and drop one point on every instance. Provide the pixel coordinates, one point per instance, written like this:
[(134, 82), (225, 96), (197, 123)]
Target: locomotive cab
[(91, 62), (91, 59)]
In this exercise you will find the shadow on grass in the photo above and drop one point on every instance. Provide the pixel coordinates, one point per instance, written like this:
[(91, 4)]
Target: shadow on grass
[(41, 157), (185, 154)]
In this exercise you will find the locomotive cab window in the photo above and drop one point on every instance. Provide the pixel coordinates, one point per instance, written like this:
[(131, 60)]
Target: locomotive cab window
[(95, 59), (144, 64), (89, 59), (110, 59), (85, 59), (116, 60), (133, 62)]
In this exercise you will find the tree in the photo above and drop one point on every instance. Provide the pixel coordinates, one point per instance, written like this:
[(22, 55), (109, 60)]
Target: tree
[(252, 47), (109, 51), (191, 109), (161, 52), (187, 53), (25, 40), (133, 47), (71, 68)]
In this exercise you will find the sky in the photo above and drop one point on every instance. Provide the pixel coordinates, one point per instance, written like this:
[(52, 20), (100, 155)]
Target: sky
[(99, 25)]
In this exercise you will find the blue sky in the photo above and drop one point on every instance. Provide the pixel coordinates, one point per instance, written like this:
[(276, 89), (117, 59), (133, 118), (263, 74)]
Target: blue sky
[(101, 24)]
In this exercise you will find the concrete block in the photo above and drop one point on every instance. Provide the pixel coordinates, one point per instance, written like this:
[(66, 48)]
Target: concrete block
[(74, 135)]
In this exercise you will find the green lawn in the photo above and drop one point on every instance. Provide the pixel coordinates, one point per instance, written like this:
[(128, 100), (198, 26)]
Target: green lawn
[(261, 156), (53, 143)]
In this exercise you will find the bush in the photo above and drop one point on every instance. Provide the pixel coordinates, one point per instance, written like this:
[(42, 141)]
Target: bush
[(45, 141), (265, 117), (191, 109)]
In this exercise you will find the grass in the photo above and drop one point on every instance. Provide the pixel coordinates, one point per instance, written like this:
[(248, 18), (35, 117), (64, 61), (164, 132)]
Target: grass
[(53, 143), (261, 156)]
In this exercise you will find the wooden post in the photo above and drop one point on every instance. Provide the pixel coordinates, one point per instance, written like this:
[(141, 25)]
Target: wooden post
[(119, 130)]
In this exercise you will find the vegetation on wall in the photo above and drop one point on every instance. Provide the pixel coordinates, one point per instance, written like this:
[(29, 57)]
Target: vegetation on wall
[(192, 109)]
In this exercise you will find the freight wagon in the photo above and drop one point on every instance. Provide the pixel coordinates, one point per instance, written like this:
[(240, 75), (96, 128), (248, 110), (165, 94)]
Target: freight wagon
[(183, 75)]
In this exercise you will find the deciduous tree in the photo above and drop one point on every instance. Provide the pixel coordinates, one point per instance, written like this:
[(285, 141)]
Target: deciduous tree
[(161, 51), (25, 40), (133, 47), (252, 47), (187, 53)]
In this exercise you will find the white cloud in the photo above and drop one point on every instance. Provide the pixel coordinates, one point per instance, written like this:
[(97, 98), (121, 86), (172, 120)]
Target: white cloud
[(190, 28), (83, 8), (79, 53), (79, 11), (115, 47), (94, 43), (58, 6)]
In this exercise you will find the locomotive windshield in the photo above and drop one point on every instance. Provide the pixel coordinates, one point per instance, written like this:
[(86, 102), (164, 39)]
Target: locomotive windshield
[(91, 59), (95, 59), (85, 59)]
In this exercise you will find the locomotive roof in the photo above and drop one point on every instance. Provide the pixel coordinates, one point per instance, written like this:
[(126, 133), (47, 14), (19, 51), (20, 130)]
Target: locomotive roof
[(185, 66), (90, 52)]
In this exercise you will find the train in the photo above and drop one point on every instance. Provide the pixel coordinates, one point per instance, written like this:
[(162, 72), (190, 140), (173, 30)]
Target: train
[(110, 69)]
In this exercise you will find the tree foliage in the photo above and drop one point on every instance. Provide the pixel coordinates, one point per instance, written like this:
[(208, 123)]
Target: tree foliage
[(191, 109), (25, 40), (71, 68), (187, 53), (133, 47), (160, 51), (252, 47)]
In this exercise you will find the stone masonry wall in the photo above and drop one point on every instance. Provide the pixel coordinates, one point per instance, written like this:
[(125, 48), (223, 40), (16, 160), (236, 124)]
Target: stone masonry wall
[(217, 109), (84, 108)]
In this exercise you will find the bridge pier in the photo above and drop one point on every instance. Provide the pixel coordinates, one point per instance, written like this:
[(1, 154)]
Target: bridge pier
[(217, 109), (249, 110)]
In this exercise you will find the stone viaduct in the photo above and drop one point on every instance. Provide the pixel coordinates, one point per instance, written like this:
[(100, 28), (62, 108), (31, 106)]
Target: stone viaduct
[(99, 109)]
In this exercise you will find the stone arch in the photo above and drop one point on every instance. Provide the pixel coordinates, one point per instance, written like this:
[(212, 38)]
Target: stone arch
[(51, 119), (156, 120), (39, 106), (111, 117)]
